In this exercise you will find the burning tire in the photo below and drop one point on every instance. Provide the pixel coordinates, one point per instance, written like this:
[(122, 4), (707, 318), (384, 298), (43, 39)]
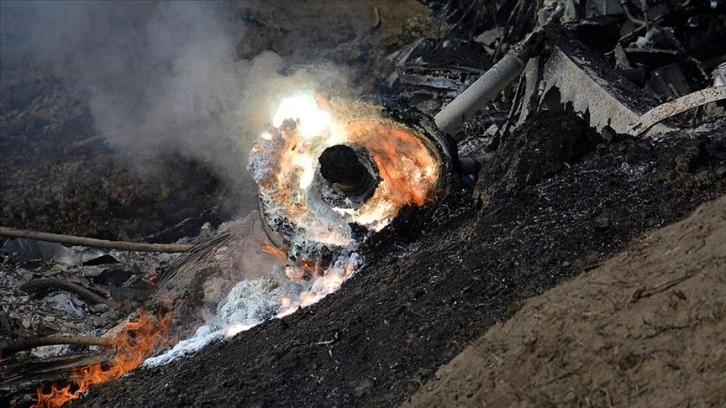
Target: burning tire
[(332, 174)]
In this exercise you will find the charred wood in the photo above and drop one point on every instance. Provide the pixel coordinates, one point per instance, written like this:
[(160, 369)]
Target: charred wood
[(93, 242), (87, 295), (28, 344)]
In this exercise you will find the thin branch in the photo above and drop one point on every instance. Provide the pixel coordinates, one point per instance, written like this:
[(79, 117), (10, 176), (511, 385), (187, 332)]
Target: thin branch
[(54, 283), (94, 243), (28, 344), (659, 288)]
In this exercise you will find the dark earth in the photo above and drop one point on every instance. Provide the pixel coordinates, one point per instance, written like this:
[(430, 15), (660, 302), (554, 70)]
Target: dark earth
[(554, 201), (645, 328)]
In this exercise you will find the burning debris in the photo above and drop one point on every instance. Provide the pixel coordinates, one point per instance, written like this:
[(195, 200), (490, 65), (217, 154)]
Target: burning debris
[(132, 341), (334, 176), (83, 290), (334, 173)]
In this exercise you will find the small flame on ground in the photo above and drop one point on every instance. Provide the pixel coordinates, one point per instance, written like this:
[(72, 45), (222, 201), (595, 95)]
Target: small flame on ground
[(133, 342), (280, 253), (324, 284)]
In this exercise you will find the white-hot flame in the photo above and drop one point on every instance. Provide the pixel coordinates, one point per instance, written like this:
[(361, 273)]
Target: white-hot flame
[(306, 163), (304, 109), (236, 328)]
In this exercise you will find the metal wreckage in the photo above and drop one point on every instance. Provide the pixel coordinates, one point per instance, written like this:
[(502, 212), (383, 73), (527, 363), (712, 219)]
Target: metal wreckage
[(335, 175)]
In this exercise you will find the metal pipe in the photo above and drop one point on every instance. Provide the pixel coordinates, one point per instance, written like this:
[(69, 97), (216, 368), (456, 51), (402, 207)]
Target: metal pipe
[(498, 77), (486, 88), (351, 174)]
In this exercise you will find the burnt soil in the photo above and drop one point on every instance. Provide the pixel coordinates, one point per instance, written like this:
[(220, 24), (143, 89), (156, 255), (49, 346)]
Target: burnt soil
[(613, 336), (555, 200)]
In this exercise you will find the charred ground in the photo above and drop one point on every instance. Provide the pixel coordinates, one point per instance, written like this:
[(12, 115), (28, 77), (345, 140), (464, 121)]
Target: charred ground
[(420, 302)]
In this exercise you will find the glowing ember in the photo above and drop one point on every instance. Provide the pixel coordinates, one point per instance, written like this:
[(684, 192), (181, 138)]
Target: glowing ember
[(133, 341)]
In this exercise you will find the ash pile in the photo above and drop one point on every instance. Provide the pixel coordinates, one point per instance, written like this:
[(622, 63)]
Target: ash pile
[(330, 196)]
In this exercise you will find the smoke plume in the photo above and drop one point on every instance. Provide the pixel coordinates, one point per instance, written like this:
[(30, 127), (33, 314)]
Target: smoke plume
[(161, 77)]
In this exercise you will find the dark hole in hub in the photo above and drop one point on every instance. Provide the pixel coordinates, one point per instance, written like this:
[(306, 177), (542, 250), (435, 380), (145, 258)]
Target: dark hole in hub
[(339, 165), (349, 172)]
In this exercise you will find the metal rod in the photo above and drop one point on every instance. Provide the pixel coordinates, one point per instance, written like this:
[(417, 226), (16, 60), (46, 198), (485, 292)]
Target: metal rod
[(486, 88), (498, 77)]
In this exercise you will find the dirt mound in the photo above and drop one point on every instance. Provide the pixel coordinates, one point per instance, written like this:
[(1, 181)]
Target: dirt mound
[(646, 328)]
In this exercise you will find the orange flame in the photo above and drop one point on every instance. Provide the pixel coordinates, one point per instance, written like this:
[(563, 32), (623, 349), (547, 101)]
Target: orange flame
[(314, 268), (407, 167), (133, 341), (407, 163), (285, 164), (280, 253)]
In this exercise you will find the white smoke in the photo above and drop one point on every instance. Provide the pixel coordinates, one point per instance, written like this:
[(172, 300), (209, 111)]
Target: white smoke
[(161, 77)]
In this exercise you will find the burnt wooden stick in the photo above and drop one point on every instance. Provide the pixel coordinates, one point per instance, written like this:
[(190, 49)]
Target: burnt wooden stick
[(93, 242), (54, 283), (28, 344)]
